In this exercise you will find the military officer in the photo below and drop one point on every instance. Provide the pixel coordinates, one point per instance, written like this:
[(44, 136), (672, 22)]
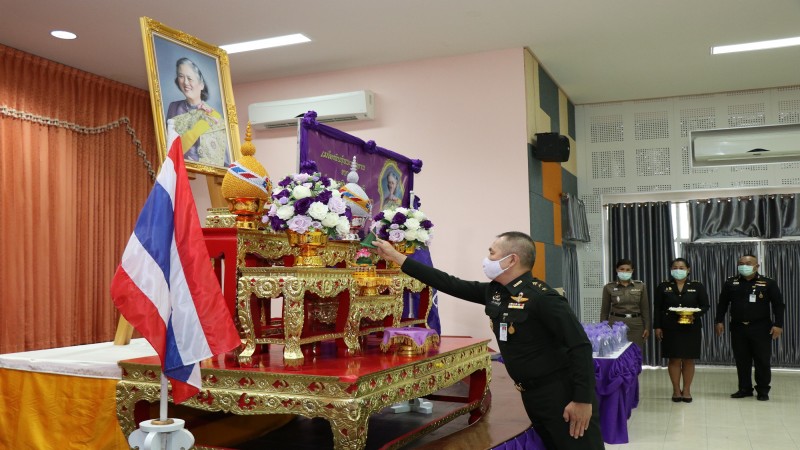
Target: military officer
[(750, 296), (546, 351), (625, 300)]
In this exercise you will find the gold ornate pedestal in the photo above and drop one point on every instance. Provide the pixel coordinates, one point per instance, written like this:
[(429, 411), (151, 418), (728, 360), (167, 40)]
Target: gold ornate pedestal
[(346, 400)]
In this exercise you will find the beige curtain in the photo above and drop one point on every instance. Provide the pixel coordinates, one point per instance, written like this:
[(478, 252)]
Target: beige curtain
[(77, 154)]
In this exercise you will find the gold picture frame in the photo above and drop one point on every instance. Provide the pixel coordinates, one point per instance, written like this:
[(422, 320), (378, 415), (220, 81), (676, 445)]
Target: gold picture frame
[(182, 70)]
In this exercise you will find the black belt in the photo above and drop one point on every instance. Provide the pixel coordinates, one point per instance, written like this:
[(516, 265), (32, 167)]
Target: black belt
[(538, 382), (627, 316)]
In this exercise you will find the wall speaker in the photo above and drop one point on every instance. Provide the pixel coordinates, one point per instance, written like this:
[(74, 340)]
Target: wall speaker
[(551, 147)]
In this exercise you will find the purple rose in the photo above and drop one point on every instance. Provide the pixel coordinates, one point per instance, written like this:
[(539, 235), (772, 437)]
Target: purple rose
[(399, 218), (383, 232), (301, 206), (427, 224), (324, 197), (285, 182), (394, 226), (299, 223), (337, 205), (276, 223), (283, 200), (325, 181), (378, 217), (397, 235)]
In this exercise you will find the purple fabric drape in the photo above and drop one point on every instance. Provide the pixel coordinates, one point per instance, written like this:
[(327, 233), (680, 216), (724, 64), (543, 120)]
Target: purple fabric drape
[(617, 394)]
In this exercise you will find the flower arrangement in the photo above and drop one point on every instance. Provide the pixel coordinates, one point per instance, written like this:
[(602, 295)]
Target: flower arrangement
[(308, 202), (363, 256), (403, 224)]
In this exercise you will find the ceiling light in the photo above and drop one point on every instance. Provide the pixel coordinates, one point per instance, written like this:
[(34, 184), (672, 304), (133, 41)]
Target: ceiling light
[(279, 41), (63, 34), (762, 45)]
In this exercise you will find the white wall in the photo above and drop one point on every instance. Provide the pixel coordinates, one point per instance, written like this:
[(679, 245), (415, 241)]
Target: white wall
[(464, 117)]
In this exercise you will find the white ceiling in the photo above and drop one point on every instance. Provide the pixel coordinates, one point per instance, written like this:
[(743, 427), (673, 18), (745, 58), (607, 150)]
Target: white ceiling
[(596, 50)]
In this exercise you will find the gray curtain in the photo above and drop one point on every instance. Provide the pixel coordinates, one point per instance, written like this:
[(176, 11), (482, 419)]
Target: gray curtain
[(762, 216), (569, 269), (574, 226), (642, 232), (711, 265), (781, 260)]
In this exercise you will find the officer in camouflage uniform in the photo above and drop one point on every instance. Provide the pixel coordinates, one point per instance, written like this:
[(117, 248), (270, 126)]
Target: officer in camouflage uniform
[(546, 351)]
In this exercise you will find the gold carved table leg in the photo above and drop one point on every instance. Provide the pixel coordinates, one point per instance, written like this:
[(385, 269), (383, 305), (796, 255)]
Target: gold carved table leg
[(293, 317)]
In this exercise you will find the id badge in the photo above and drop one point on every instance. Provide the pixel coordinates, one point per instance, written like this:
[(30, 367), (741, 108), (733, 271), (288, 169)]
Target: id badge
[(503, 332), (752, 298)]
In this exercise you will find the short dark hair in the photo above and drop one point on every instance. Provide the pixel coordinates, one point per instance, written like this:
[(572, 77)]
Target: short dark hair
[(522, 245), (750, 255), (623, 262), (204, 92), (683, 260)]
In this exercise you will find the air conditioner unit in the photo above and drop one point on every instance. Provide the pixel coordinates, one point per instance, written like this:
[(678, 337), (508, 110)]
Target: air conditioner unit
[(359, 105), (746, 145)]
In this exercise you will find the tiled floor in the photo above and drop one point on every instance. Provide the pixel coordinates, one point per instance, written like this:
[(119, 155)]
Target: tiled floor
[(714, 420)]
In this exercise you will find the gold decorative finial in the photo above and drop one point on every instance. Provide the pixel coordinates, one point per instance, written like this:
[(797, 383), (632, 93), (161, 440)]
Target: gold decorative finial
[(248, 149)]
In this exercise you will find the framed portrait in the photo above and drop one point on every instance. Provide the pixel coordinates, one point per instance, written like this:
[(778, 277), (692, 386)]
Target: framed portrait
[(191, 93)]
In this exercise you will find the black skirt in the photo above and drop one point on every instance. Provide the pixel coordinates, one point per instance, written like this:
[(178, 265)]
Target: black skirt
[(681, 341)]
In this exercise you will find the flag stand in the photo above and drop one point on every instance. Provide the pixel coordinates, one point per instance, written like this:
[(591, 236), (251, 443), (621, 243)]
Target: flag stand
[(164, 433)]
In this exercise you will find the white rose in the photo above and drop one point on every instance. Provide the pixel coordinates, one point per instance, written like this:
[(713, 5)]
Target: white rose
[(388, 214), (318, 210), (400, 209), (334, 186), (412, 224), (419, 215), (423, 235), (285, 212), (336, 193), (301, 191), (343, 226), (331, 220), (411, 235)]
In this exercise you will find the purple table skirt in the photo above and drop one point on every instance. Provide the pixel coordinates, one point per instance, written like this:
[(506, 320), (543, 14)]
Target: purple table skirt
[(617, 394)]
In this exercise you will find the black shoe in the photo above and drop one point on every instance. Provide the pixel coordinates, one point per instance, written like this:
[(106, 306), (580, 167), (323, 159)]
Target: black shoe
[(677, 399), (687, 399), (762, 397), (742, 394)]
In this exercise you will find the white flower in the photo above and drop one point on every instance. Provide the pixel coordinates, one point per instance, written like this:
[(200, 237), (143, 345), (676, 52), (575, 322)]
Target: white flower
[(388, 214), (417, 214), (343, 226), (318, 210), (285, 212), (301, 177), (412, 224), (400, 209), (423, 235), (334, 186), (411, 235), (301, 191), (331, 220), (336, 193), (273, 208)]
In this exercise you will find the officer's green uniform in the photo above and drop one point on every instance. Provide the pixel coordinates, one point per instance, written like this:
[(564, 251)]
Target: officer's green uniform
[(546, 351), (750, 303)]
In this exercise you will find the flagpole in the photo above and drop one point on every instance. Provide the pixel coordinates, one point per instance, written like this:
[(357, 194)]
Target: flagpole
[(164, 392)]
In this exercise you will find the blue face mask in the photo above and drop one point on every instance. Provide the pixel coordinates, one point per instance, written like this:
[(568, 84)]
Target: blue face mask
[(624, 276), (679, 274), (745, 270)]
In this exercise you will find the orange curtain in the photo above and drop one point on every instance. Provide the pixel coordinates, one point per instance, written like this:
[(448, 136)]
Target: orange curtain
[(77, 155)]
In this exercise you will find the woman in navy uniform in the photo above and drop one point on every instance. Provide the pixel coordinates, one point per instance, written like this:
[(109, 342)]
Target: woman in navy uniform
[(680, 343), (546, 351), (625, 300)]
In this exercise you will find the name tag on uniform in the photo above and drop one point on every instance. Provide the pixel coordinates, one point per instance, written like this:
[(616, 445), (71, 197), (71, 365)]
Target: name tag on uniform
[(516, 306), (752, 298), (503, 332)]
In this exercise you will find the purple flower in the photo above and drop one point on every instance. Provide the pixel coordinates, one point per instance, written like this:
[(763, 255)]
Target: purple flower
[(394, 226), (324, 197), (399, 218), (276, 223), (325, 181), (337, 205), (301, 206), (427, 224), (378, 217), (299, 223), (396, 235), (348, 213), (383, 232), (283, 200), (285, 182), (282, 194)]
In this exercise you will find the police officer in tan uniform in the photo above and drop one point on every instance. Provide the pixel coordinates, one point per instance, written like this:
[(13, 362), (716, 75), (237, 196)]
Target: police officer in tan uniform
[(625, 300), (546, 351)]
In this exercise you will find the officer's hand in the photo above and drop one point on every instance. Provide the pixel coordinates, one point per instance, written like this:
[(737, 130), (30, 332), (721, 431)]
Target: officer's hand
[(659, 334), (578, 415), (387, 251), (719, 328), (776, 332), (646, 334)]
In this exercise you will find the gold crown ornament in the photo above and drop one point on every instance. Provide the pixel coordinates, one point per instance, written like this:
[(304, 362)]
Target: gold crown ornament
[(246, 186)]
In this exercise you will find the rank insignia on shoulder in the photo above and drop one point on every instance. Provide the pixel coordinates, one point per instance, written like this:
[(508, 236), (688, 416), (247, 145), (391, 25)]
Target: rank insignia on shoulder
[(516, 305), (517, 283), (519, 298), (668, 289)]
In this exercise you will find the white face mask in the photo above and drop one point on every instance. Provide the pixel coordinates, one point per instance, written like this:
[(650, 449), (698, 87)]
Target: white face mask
[(624, 276), (492, 269), (679, 274)]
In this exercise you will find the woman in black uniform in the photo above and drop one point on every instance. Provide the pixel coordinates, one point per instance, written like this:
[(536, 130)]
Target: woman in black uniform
[(679, 342)]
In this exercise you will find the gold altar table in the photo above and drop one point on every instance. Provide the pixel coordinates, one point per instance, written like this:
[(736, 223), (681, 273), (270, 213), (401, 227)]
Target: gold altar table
[(344, 391)]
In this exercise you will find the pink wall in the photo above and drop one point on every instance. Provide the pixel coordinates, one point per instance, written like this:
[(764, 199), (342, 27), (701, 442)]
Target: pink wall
[(464, 117)]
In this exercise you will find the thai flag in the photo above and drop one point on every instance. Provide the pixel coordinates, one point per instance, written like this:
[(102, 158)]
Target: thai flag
[(165, 285)]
